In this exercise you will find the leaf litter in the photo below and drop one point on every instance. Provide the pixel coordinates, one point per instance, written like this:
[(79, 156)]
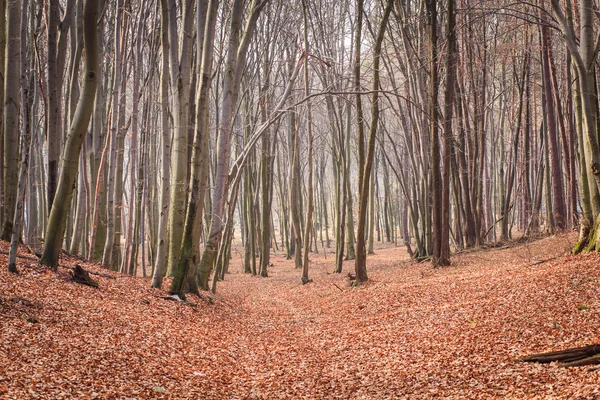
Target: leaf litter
[(410, 332)]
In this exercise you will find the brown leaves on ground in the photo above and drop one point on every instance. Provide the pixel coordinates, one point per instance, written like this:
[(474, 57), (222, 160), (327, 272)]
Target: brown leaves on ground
[(410, 332)]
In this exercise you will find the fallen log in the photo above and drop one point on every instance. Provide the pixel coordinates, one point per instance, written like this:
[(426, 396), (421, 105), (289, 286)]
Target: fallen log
[(575, 357)]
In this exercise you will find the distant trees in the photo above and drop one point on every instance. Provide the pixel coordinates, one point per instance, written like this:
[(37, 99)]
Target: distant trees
[(413, 123)]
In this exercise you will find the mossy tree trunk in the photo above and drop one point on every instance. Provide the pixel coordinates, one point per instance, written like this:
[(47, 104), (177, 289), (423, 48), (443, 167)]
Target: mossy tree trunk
[(180, 56), (584, 56), (187, 262)]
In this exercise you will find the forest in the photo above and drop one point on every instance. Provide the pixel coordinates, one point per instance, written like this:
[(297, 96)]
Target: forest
[(357, 178)]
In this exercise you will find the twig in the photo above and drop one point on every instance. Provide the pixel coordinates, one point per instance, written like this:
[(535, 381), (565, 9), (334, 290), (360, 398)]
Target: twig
[(341, 290), (545, 260)]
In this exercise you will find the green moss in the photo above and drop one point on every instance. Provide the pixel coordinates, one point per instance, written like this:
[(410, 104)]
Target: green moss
[(592, 238), (579, 246)]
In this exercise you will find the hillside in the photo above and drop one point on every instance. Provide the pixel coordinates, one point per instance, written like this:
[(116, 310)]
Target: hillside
[(410, 332)]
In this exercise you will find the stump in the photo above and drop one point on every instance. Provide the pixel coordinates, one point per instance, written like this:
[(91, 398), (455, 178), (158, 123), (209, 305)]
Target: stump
[(575, 357), (80, 275)]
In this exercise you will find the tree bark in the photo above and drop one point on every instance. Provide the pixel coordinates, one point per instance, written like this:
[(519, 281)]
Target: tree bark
[(234, 65), (81, 119), (162, 249), (360, 265), (12, 110)]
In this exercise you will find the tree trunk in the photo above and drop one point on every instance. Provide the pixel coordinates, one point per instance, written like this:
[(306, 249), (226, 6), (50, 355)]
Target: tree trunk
[(558, 197), (309, 188), (234, 65), (434, 140), (85, 106), (12, 110), (360, 265), (448, 139), (180, 49), (160, 265), (2, 91), (27, 85)]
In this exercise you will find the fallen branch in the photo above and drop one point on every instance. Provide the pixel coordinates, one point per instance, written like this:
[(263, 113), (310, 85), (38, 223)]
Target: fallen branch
[(545, 260), (575, 357), (341, 290)]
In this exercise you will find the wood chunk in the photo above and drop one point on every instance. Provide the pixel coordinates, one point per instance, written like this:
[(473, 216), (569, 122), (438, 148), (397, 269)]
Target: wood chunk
[(80, 275)]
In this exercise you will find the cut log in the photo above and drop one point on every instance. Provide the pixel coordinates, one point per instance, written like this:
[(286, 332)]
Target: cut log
[(80, 275), (575, 357)]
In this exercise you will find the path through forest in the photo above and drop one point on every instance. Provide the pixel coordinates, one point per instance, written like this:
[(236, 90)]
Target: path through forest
[(410, 332)]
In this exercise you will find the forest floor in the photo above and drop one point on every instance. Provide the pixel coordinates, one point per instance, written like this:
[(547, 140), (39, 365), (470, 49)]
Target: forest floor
[(411, 332)]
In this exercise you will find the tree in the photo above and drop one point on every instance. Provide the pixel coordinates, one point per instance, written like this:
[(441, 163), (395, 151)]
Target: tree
[(309, 129), (57, 45), (583, 58), (162, 248), (207, 16), (236, 57), (180, 51), (12, 110), (85, 106), (26, 81), (366, 159), (111, 252)]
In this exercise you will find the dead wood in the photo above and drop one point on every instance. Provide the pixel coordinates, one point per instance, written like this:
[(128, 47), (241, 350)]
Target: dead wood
[(575, 357), (80, 275)]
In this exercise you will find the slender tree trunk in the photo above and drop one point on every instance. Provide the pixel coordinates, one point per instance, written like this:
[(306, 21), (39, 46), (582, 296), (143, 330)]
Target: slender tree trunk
[(160, 266), (234, 65), (295, 192), (349, 200), (372, 216), (360, 265), (2, 91), (97, 202), (111, 184), (309, 188), (558, 197), (434, 140), (268, 148), (26, 83), (83, 113), (448, 138), (12, 110)]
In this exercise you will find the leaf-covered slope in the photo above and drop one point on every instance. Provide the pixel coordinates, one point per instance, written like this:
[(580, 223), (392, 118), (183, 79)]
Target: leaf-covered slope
[(410, 332)]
